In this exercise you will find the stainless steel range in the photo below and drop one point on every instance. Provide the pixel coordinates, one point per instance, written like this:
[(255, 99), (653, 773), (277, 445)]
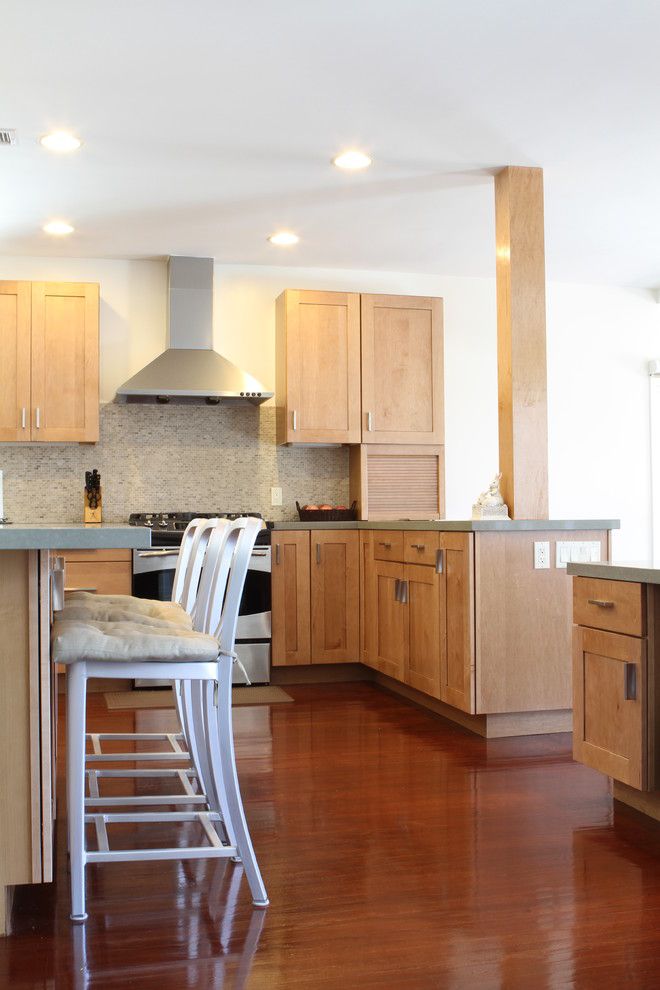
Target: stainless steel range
[(153, 576)]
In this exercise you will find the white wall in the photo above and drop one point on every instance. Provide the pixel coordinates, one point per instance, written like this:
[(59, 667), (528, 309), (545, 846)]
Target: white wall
[(599, 342)]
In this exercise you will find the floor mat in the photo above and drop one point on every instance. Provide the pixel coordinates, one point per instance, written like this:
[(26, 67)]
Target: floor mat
[(162, 698)]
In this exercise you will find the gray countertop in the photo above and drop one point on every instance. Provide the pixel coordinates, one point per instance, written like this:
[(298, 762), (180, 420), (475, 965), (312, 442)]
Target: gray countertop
[(645, 573), (462, 525), (74, 536)]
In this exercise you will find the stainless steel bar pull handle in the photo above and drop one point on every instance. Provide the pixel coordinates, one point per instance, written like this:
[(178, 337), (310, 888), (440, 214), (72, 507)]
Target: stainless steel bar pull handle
[(277, 553), (404, 593), (369, 422), (318, 553), (23, 418), (38, 416), (630, 681), (397, 588), (418, 546), (600, 603), (294, 420), (439, 561)]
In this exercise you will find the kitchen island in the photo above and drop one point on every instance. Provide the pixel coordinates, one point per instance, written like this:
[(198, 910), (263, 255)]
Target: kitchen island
[(616, 677), (27, 692), (471, 618)]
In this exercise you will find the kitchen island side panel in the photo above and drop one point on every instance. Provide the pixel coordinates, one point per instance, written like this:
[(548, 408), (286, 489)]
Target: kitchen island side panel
[(523, 622)]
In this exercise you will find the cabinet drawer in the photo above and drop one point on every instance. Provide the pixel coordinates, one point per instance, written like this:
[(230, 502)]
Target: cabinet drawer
[(111, 577), (420, 547), (97, 555), (388, 545), (617, 606)]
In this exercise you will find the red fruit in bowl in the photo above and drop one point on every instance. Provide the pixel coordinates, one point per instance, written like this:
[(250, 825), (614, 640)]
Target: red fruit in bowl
[(325, 508), (310, 508), (340, 508)]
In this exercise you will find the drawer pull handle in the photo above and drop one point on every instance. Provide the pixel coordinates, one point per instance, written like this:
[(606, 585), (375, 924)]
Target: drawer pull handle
[(403, 597), (600, 603), (277, 553), (386, 545), (630, 682), (439, 561), (318, 553), (418, 546)]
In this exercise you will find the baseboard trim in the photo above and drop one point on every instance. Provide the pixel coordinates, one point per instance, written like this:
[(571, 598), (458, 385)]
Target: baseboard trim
[(320, 673)]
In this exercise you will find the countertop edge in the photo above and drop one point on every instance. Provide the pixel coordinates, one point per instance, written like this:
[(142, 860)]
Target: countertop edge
[(74, 537), (460, 525), (641, 573)]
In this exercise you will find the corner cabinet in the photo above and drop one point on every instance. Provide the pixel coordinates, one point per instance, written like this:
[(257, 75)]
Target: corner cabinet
[(357, 368), (49, 361)]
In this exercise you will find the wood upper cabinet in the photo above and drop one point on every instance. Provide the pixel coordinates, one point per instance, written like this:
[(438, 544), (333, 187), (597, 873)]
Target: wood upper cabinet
[(49, 361), (290, 598), (335, 593), (318, 367), (15, 321), (609, 704), (402, 369), (65, 361), (458, 660)]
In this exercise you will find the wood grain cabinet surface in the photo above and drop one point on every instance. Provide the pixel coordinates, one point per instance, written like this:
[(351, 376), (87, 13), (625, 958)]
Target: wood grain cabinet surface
[(609, 704), (335, 595), (354, 368), (102, 572), (49, 361), (318, 367), (290, 598), (402, 370)]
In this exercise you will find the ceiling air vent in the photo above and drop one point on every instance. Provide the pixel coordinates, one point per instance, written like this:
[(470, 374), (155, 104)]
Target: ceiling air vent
[(7, 135)]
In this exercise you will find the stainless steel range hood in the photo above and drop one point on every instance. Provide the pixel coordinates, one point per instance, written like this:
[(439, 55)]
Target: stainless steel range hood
[(190, 370)]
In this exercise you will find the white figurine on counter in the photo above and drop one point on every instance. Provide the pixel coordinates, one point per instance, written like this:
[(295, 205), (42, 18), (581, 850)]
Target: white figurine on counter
[(490, 504)]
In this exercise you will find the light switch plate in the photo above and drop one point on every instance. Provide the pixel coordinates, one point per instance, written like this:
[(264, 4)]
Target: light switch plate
[(276, 496), (577, 551)]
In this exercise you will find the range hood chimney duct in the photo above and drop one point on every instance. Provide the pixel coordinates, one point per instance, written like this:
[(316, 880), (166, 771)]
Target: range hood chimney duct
[(190, 371)]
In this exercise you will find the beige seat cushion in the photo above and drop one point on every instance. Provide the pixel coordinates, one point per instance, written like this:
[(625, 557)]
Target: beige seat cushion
[(115, 613), (109, 608), (129, 641)]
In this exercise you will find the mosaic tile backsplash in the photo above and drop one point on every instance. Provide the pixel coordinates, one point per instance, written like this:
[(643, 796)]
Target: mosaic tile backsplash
[(172, 458)]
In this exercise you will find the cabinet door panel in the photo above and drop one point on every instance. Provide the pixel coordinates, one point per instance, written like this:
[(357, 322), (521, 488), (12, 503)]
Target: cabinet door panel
[(425, 624), (335, 593), (65, 361), (390, 621), (458, 660), (402, 377), (609, 704), (110, 577), (15, 322), (290, 598), (322, 354)]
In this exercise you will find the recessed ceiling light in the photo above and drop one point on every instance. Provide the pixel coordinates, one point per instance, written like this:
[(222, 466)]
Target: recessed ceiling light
[(352, 160), (60, 141), (284, 238), (58, 227)]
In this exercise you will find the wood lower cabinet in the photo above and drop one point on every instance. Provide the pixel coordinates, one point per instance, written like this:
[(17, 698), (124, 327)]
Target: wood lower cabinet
[(419, 618), (291, 642), (318, 367), (102, 572), (49, 361), (335, 595), (609, 704)]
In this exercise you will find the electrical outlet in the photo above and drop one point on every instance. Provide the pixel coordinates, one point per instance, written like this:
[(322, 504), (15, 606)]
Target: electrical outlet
[(541, 555), (276, 496)]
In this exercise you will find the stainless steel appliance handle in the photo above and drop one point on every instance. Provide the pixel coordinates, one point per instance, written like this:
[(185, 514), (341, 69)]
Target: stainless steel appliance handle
[(174, 552), (259, 553)]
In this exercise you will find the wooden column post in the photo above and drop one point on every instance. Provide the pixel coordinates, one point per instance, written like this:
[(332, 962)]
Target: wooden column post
[(521, 354)]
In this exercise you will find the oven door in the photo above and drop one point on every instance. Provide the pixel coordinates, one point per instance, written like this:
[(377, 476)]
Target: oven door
[(153, 573), (254, 611)]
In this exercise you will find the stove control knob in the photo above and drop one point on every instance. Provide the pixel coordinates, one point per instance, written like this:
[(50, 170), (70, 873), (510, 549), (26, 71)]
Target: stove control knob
[(163, 523), (149, 522)]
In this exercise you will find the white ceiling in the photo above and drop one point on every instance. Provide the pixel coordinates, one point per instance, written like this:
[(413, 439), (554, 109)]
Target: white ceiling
[(210, 123)]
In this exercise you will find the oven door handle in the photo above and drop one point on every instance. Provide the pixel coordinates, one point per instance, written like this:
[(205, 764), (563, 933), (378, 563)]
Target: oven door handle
[(159, 553), (260, 553)]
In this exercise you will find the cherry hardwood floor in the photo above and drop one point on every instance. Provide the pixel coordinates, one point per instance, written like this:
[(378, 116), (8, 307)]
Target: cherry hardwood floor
[(399, 851)]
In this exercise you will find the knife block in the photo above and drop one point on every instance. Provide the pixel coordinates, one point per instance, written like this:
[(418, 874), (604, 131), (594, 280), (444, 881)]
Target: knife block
[(93, 515)]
